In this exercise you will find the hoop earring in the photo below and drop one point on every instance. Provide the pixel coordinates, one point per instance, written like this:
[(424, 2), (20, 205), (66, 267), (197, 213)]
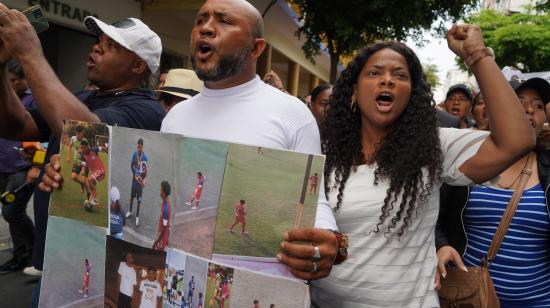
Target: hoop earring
[(353, 106)]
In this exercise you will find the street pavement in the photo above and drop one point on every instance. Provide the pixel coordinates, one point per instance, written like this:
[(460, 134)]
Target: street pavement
[(16, 288)]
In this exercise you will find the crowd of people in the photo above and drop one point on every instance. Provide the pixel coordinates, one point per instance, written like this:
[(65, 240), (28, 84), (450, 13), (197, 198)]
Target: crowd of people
[(408, 186)]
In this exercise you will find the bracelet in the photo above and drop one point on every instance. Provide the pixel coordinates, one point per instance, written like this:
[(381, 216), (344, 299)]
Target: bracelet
[(478, 55), (342, 240)]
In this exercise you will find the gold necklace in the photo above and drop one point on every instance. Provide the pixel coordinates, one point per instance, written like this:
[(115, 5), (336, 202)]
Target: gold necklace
[(517, 177)]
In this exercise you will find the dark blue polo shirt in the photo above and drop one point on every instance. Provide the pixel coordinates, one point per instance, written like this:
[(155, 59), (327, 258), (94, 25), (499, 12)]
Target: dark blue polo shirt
[(138, 108), (11, 161)]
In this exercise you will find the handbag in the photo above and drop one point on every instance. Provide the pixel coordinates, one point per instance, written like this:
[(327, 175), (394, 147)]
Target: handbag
[(474, 288)]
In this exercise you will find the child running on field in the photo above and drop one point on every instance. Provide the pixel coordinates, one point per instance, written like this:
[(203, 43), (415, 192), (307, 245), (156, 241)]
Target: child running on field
[(196, 197), (240, 217), (94, 167), (74, 144), (313, 180), (86, 278)]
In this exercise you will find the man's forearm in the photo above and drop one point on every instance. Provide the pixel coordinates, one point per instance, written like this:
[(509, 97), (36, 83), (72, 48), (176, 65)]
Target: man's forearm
[(55, 102)]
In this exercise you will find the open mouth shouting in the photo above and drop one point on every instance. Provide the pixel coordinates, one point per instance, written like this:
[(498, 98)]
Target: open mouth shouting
[(203, 51), (455, 111), (384, 102), (91, 62)]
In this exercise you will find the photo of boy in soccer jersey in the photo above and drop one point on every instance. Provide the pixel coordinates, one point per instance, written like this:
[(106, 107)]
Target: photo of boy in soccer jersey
[(95, 170), (84, 166), (163, 234), (74, 155), (200, 300), (219, 284), (74, 264), (196, 196), (240, 217), (86, 278), (191, 290), (151, 290), (313, 181), (138, 167)]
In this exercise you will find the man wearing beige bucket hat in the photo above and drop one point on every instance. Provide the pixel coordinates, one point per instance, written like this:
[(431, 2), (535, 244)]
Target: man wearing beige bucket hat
[(180, 85)]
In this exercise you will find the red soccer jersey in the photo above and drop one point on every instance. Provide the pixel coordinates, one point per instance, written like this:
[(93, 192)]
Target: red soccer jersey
[(240, 212), (166, 211), (93, 162), (314, 179)]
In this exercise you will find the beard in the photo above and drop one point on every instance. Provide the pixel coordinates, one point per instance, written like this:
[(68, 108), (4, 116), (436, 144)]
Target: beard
[(227, 66)]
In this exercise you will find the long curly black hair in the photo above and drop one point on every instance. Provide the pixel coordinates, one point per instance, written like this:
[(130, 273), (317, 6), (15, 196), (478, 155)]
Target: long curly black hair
[(410, 151)]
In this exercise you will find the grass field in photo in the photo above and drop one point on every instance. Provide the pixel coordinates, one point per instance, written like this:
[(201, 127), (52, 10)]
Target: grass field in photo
[(193, 230), (223, 274), (210, 284), (271, 184), (68, 243), (249, 286), (69, 202)]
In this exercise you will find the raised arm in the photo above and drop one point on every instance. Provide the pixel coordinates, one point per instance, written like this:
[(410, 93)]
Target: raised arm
[(511, 135), (54, 101)]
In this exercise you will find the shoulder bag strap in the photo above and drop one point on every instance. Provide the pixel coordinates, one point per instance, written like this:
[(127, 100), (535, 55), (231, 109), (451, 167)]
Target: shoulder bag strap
[(510, 211)]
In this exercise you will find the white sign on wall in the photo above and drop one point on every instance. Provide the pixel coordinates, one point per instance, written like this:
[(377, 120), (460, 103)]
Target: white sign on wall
[(71, 13)]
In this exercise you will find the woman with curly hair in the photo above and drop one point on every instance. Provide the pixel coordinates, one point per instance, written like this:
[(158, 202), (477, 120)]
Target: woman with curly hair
[(386, 159)]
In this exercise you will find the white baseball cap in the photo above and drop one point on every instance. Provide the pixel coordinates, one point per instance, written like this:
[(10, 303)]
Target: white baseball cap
[(133, 35), (115, 194)]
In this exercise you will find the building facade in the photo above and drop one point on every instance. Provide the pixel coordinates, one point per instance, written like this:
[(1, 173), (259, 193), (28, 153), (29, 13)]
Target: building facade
[(67, 43), (507, 6)]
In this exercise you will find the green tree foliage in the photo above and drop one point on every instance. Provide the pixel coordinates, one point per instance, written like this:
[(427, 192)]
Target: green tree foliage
[(347, 25), (543, 5), (431, 71), (521, 40)]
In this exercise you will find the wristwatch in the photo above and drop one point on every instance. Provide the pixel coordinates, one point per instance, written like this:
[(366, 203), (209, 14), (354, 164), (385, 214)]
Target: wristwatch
[(342, 240)]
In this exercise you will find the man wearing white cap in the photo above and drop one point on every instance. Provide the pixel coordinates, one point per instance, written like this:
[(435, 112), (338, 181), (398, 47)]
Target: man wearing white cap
[(126, 54)]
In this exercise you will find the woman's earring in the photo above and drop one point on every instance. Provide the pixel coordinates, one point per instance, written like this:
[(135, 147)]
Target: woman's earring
[(353, 105)]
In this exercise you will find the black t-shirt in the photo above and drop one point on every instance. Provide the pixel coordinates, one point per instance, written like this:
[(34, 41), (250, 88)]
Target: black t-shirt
[(137, 108)]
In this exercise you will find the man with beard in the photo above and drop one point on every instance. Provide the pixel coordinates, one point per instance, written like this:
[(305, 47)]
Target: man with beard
[(126, 54), (236, 106)]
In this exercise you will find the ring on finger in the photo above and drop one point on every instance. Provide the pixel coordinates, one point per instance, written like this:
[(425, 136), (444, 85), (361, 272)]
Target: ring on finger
[(317, 255), (314, 269)]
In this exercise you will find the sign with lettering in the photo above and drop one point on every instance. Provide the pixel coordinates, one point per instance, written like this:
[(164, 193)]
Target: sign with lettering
[(71, 13)]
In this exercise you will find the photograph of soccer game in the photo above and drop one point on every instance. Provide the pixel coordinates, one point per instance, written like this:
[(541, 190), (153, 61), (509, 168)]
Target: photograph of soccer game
[(199, 175), (265, 193), (74, 265), (219, 285), (134, 275), (256, 290), (84, 159), (174, 271), (143, 174), (194, 281)]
